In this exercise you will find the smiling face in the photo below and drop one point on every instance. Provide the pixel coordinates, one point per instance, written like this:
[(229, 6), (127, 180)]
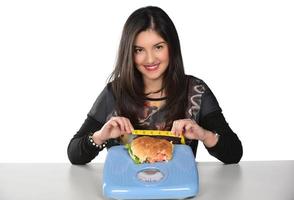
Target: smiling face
[(151, 56)]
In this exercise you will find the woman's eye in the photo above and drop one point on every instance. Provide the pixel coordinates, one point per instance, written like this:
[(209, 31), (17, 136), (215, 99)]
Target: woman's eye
[(159, 47), (137, 50)]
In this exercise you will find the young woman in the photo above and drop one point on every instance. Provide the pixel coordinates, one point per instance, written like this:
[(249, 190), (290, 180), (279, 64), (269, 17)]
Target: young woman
[(149, 89)]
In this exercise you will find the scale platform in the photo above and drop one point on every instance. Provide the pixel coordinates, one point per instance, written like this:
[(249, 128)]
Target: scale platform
[(175, 179)]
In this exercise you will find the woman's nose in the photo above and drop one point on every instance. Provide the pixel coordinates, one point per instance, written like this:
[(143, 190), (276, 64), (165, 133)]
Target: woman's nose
[(150, 57)]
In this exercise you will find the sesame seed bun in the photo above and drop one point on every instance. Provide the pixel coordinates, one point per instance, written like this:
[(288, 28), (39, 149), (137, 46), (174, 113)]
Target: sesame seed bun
[(149, 149)]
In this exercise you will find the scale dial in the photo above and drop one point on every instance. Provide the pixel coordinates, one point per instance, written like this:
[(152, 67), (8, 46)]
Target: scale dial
[(150, 175)]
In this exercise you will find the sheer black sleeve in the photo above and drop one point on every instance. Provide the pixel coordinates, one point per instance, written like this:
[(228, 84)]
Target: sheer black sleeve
[(228, 148), (80, 150)]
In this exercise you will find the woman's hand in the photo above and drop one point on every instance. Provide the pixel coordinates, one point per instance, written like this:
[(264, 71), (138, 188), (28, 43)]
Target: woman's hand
[(113, 128), (191, 130)]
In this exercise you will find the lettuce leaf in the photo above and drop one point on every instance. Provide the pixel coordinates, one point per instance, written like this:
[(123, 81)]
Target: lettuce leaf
[(134, 158)]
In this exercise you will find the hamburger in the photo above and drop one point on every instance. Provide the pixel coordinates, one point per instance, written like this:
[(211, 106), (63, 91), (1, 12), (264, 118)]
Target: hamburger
[(147, 149)]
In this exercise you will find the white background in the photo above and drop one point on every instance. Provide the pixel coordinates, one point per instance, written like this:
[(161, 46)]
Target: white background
[(55, 57)]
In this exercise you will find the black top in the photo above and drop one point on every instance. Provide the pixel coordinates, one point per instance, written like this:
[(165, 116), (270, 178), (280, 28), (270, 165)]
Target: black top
[(202, 107)]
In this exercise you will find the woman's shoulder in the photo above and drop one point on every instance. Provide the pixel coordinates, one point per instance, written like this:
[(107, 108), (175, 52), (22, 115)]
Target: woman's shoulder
[(103, 104), (200, 98), (196, 82), (106, 92), (194, 79), (108, 87)]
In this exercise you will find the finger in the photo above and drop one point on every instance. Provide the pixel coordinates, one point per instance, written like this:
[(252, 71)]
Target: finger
[(130, 125), (180, 127), (125, 128), (113, 123), (127, 124), (173, 130), (189, 128), (120, 122)]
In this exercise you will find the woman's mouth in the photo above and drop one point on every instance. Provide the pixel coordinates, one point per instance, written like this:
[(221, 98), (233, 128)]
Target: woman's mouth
[(152, 67)]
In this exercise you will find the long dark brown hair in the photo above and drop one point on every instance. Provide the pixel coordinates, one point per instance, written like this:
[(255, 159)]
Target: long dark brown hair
[(126, 80)]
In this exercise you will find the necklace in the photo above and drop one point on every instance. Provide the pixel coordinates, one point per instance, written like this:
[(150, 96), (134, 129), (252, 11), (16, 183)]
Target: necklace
[(155, 92)]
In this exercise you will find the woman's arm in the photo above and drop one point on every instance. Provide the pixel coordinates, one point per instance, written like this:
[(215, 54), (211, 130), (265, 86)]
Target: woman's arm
[(228, 148), (80, 150)]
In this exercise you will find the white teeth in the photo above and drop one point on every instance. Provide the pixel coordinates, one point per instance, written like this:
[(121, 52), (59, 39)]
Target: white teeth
[(152, 67)]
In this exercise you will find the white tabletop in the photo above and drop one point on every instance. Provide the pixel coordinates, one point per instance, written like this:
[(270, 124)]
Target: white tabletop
[(270, 180)]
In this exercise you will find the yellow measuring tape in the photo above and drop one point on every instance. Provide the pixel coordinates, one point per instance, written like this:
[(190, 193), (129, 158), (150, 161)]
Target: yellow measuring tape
[(157, 133)]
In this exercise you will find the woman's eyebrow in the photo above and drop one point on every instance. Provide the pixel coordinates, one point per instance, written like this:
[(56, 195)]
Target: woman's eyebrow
[(137, 46), (159, 43)]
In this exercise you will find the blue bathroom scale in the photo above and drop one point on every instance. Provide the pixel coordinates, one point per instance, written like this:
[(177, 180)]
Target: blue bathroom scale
[(175, 179)]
